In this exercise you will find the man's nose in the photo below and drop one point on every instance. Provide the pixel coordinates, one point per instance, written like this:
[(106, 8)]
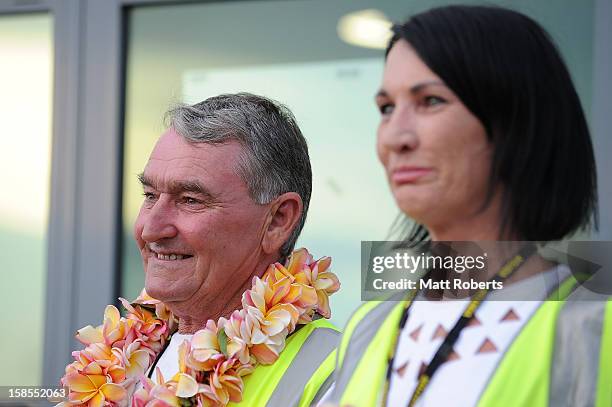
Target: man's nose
[(159, 223)]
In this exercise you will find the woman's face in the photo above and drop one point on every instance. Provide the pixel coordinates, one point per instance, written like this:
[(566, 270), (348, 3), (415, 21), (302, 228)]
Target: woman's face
[(434, 150)]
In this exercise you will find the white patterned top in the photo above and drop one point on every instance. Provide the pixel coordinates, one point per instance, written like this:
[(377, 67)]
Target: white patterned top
[(480, 347)]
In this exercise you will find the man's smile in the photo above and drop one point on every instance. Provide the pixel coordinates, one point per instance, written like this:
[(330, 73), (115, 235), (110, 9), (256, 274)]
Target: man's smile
[(168, 255)]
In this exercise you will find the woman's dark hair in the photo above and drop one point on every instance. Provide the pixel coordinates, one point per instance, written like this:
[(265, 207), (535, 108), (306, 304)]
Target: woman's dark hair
[(506, 70)]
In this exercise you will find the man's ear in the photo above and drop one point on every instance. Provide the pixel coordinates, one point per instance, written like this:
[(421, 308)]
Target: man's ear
[(284, 216)]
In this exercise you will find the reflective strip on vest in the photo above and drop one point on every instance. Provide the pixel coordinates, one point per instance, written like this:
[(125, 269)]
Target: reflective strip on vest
[(604, 381), (319, 344), (517, 379), (314, 389), (361, 339), (294, 370), (574, 369), (522, 376)]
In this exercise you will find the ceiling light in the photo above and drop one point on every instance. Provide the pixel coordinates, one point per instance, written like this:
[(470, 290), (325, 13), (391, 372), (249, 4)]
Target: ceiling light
[(365, 28)]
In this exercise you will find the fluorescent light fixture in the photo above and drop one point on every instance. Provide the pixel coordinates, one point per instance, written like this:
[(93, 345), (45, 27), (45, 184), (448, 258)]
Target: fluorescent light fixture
[(365, 28)]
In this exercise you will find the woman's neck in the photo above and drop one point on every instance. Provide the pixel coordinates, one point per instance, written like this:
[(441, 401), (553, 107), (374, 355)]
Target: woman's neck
[(497, 255), (484, 234), (483, 224), (480, 227)]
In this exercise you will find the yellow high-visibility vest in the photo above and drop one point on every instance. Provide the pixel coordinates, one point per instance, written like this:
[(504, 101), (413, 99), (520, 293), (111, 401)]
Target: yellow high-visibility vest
[(301, 374), (561, 357)]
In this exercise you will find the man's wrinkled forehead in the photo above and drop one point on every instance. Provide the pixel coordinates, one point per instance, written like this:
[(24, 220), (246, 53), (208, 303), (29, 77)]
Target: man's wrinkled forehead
[(189, 162), (173, 146)]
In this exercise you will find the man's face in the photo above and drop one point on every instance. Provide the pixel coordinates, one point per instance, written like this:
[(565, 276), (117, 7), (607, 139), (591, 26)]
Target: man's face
[(198, 230)]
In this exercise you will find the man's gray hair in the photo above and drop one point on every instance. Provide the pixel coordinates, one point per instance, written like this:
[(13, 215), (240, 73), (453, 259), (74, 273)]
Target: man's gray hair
[(275, 159)]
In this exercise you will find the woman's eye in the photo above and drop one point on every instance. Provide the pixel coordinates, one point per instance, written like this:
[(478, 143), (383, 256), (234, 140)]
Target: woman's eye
[(385, 109), (433, 101)]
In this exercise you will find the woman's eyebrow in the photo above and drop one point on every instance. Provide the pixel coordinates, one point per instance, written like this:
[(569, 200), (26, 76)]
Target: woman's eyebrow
[(419, 86), (382, 93)]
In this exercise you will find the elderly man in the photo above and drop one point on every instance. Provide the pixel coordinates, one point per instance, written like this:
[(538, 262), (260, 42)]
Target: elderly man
[(226, 192)]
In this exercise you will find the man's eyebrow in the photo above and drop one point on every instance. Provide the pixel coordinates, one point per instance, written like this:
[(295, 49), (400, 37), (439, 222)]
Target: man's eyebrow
[(146, 182), (178, 187)]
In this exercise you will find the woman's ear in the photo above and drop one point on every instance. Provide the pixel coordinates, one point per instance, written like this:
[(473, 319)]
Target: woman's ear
[(285, 214)]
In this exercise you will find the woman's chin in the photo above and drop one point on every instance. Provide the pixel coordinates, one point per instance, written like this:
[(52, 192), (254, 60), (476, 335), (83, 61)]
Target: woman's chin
[(414, 207)]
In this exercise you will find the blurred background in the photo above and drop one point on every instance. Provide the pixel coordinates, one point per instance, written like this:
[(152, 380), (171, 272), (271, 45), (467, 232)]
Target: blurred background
[(85, 85)]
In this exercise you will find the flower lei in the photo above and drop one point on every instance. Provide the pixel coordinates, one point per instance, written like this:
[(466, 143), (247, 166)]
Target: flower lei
[(211, 365)]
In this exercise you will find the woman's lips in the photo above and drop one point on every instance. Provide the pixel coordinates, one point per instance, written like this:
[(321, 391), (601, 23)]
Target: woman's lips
[(408, 175)]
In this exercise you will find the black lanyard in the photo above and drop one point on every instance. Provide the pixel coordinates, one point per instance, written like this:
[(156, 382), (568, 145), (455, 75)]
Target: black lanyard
[(446, 347)]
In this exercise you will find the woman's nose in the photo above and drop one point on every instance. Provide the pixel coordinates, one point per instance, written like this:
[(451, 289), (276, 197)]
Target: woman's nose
[(399, 133)]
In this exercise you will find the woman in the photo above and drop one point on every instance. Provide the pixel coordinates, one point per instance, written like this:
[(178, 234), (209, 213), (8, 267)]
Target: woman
[(479, 124)]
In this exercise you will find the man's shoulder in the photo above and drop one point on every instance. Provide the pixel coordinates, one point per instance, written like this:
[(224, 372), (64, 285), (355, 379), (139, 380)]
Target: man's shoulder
[(320, 323), (300, 371), (320, 333)]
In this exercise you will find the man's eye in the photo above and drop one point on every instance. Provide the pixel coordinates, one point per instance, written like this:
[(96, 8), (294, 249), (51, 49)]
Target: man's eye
[(149, 196), (191, 201), (433, 100), (385, 109)]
